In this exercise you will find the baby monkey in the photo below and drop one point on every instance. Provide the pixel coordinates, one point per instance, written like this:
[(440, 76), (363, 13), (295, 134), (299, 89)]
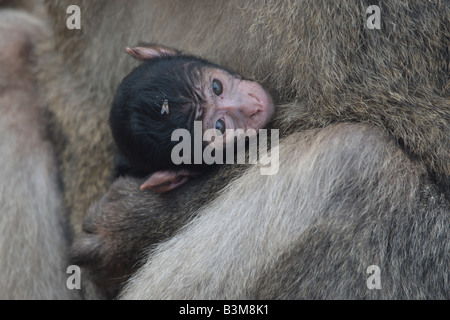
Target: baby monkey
[(168, 91)]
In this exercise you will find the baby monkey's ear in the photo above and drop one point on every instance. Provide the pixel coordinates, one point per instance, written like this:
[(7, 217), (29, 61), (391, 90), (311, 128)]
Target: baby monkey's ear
[(166, 180), (151, 51)]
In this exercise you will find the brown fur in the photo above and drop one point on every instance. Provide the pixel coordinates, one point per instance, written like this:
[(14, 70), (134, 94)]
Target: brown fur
[(33, 235), (322, 66), (329, 179), (337, 205), (34, 7), (125, 223), (309, 51)]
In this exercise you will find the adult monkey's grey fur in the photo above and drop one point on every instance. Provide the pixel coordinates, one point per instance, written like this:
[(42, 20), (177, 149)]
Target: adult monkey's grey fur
[(33, 245), (321, 59)]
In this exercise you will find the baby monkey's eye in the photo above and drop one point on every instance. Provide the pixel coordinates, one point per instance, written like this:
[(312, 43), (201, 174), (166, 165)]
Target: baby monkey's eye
[(220, 125), (217, 87)]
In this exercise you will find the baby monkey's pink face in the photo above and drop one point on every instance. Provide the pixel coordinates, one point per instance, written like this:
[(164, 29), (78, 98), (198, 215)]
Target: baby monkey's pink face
[(233, 103), (229, 103)]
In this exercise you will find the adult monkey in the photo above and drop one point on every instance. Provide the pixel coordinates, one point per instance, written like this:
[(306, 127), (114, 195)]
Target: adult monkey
[(317, 53)]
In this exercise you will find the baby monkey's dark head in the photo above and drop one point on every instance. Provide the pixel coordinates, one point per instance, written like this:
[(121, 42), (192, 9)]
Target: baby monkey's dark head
[(170, 91)]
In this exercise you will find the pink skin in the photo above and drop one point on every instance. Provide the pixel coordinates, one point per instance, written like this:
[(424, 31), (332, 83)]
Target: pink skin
[(243, 104)]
